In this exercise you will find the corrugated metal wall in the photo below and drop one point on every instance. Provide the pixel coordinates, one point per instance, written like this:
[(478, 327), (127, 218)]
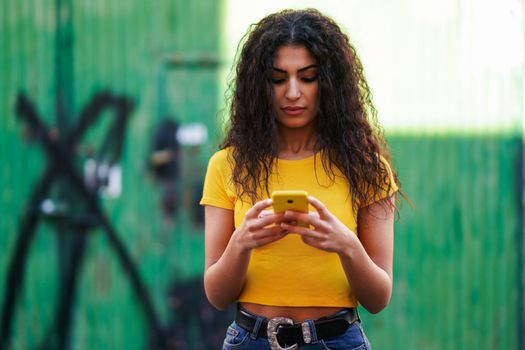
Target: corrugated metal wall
[(161, 58), (459, 251)]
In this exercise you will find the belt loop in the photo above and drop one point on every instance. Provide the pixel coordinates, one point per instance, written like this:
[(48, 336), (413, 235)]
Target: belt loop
[(313, 331), (255, 330), (357, 315)]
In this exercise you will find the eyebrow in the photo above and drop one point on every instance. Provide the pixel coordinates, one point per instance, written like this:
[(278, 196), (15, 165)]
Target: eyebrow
[(299, 70)]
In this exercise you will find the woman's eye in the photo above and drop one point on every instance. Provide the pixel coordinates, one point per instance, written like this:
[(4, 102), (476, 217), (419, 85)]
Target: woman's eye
[(278, 80), (310, 79)]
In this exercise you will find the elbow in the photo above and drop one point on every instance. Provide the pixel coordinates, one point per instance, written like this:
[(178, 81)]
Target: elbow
[(375, 309), (214, 298), (218, 306), (377, 305), (221, 306)]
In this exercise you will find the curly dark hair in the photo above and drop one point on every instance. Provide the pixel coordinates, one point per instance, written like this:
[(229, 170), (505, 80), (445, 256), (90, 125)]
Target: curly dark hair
[(348, 134)]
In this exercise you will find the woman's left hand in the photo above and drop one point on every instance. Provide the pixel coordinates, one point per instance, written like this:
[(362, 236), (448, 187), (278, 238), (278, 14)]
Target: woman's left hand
[(328, 233)]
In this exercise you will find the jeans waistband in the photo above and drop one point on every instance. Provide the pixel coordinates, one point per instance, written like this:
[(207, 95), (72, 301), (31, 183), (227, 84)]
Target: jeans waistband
[(287, 332)]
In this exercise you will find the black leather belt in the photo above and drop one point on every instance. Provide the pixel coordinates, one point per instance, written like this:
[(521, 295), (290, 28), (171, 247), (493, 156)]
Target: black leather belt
[(325, 327)]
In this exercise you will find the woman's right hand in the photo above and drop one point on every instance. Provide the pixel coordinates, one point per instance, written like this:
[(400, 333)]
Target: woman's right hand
[(227, 254), (258, 230)]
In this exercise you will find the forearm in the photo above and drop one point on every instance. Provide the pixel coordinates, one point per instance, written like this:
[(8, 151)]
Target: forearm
[(223, 281), (370, 283)]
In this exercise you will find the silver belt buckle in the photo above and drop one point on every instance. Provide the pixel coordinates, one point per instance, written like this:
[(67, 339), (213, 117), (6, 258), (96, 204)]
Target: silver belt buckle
[(273, 325)]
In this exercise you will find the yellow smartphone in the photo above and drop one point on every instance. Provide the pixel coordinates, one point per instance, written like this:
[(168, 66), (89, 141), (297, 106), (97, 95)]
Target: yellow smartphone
[(292, 200)]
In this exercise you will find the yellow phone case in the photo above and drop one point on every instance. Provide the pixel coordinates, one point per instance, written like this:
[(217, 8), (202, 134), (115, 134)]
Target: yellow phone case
[(293, 200)]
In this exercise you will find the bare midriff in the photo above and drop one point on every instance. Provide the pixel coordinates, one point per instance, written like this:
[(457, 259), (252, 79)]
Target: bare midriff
[(298, 314)]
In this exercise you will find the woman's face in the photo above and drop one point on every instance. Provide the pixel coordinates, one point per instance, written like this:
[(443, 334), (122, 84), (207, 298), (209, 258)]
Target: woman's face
[(294, 80)]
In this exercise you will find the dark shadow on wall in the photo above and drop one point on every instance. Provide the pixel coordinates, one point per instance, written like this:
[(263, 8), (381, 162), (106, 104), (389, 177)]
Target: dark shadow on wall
[(166, 161), (195, 324)]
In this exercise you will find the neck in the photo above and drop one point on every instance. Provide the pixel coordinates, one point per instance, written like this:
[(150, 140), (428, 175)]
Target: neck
[(296, 143)]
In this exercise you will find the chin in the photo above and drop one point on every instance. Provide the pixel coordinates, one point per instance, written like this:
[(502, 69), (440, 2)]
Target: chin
[(295, 124)]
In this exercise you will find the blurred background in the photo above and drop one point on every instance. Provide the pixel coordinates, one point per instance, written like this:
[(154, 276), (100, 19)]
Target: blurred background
[(109, 111)]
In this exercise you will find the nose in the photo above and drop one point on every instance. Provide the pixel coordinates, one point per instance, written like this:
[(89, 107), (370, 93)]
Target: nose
[(293, 91)]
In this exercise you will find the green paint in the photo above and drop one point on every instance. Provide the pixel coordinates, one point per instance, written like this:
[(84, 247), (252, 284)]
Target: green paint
[(64, 63), (456, 252), (121, 47), (456, 259)]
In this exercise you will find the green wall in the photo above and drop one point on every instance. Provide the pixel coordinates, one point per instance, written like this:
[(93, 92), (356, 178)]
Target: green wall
[(458, 250), (458, 256), (163, 57)]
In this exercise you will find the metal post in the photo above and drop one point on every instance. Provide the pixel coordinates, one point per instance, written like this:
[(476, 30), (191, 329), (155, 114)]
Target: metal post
[(64, 63), (521, 253), (67, 236)]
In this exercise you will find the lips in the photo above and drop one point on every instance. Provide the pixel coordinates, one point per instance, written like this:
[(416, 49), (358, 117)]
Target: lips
[(293, 110)]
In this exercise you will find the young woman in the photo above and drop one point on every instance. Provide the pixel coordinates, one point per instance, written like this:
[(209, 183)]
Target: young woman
[(301, 118)]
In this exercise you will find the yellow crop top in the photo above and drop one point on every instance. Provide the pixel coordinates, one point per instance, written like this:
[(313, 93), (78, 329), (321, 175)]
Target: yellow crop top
[(289, 272)]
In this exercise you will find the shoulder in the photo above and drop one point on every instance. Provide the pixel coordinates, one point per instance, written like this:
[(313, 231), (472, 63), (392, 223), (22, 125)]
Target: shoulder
[(222, 156), (217, 183), (221, 160), (385, 163), (389, 176)]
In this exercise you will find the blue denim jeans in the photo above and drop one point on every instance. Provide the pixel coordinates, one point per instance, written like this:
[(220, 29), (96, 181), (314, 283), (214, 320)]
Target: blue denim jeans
[(354, 338)]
